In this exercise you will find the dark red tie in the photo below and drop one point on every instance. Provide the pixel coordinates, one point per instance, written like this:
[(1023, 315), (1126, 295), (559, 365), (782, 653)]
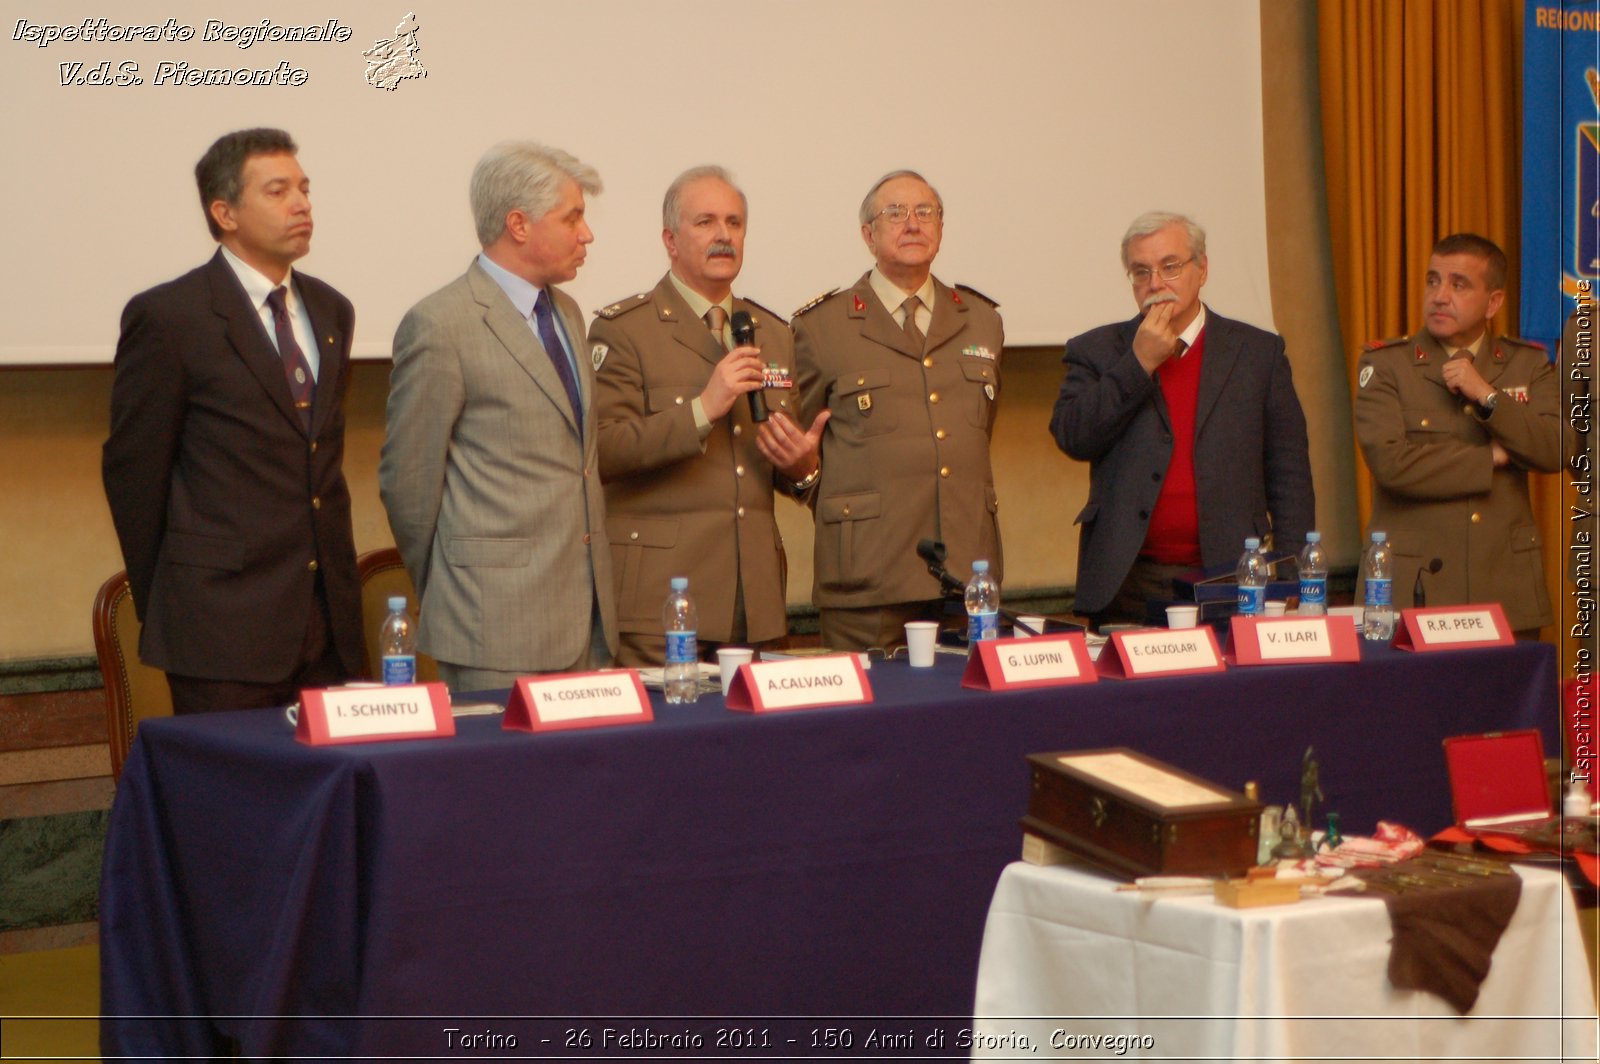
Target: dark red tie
[(295, 367)]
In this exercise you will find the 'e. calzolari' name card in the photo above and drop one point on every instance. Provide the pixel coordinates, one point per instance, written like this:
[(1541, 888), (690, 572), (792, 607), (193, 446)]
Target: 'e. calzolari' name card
[(1043, 661), (577, 700), (372, 713), (1161, 652), (1293, 640), (1453, 628), (804, 683)]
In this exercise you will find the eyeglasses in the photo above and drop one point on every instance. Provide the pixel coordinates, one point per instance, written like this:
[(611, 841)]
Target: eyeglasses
[(897, 213), (1169, 271)]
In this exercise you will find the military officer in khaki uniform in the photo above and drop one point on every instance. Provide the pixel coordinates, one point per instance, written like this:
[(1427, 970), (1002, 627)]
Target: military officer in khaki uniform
[(1452, 420), (910, 370), (688, 473)]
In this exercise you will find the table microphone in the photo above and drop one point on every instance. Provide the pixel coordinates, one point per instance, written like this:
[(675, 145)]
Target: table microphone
[(744, 335), (933, 552), (1419, 595)]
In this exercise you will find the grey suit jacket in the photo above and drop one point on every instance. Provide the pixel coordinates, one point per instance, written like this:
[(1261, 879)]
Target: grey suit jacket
[(1251, 457), (492, 488)]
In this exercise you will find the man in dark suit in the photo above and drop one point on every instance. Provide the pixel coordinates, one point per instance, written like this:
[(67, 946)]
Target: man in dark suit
[(1191, 426), (223, 465)]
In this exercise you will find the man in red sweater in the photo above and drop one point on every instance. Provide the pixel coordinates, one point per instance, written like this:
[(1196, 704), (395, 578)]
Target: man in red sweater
[(1191, 426)]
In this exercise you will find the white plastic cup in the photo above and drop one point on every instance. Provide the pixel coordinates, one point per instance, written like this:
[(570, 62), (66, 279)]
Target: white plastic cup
[(920, 638), (1276, 607), (1034, 624), (728, 660), (1183, 616)]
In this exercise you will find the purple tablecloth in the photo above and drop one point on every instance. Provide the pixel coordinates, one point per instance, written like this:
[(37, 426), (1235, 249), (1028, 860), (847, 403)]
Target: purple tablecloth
[(819, 863)]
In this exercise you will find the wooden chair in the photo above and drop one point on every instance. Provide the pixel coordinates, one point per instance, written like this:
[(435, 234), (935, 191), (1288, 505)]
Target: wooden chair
[(384, 574), (134, 690)]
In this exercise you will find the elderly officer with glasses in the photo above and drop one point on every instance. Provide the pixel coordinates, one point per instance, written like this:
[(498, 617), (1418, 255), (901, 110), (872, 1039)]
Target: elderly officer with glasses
[(1191, 426), (910, 371)]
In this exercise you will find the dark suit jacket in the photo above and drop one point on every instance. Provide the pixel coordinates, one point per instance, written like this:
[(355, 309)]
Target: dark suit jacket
[(225, 510), (1251, 458)]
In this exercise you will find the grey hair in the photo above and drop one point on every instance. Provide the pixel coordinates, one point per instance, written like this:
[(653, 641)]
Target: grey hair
[(522, 175), (867, 211), (1152, 222), (671, 204)]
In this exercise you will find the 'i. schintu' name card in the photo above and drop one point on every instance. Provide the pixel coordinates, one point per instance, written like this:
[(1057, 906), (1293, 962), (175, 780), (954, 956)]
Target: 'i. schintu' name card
[(370, 713)]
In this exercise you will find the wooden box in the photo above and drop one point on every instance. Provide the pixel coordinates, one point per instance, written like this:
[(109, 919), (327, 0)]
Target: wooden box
[(1137, 816)]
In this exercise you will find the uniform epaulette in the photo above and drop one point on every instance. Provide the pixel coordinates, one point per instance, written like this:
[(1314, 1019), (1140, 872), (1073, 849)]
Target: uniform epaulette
[(765, 310), (1374, 345), (817, 302), (622, 306), (1535, 344), (980, 295)]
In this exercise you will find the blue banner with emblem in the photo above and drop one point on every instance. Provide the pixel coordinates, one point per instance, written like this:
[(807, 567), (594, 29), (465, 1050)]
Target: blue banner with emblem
[(1560, 161)]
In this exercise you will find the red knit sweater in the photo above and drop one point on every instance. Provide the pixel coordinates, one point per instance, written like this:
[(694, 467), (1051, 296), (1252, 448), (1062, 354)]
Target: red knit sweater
[(1173, 537)]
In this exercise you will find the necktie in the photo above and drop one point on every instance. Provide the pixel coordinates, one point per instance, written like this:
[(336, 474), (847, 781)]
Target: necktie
[(546, 323), (295, 367), (716, 318), (913, 333)]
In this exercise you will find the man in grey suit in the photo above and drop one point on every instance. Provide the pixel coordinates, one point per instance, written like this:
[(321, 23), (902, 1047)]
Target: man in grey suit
[(489, 466), (1191, 426)]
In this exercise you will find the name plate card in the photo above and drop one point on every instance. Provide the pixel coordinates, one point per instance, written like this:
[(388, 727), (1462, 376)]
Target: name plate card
[(373, 713), (805, 683), (1161, 652), (1293, 640), (577, 700), (1043, 661), (1453, 628)]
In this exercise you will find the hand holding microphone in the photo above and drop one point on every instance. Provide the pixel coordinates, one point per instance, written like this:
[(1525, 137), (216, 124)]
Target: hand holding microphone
[(744, 335)]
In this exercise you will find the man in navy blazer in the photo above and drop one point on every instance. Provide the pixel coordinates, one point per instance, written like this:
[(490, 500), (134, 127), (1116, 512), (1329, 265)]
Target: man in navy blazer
[(223, 467), (1191, 426)]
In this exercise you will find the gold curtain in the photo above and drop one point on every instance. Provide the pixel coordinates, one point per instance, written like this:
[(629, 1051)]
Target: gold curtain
[(1422, 134)]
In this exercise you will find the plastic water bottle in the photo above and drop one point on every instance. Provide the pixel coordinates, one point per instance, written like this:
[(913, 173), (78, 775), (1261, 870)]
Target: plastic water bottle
[(397, 642), (1251, 576), (983, 604), (1377, 570), (681, 678), (1313, 577)]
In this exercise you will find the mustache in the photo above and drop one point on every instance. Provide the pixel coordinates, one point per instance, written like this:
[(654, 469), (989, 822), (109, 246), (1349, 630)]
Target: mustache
[(1159, 297), (727, 250)]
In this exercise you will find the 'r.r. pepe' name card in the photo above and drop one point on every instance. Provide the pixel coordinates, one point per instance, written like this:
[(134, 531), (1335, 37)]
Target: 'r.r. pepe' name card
[(1161, 652), (1453, 628), (804, 683)]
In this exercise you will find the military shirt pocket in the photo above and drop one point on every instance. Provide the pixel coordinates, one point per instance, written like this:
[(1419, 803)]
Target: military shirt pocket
[(983, 389), (861, 400), (1425, 426), (844, 554), (641, 548), (670, 396)]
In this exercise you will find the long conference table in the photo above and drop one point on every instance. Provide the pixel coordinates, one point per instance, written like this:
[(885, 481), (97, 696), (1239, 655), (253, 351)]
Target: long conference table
[(361, 901)]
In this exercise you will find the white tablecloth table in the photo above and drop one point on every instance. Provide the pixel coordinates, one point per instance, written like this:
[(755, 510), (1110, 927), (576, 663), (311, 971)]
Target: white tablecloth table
[(1073, 969)]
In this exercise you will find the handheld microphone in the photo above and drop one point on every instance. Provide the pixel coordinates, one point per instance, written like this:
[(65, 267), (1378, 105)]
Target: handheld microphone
[(744, 335), (1419, 595)]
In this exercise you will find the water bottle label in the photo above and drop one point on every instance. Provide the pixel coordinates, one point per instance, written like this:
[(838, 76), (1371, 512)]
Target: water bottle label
[(1313, 590), (682, 648), (399, 668), (1252, 600), (1380, 592), (981, 626)]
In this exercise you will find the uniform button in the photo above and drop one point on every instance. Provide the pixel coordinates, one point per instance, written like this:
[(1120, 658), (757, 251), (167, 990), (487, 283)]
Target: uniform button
[(738, 470), (312, 565), (740, 511), (944, 471), (1477, 518), (928, 361), (586, 538), (784, 403), (1424, 423), (933, 397), (633, 535), (1466, 408), (986, 373), (679, 400), (738, 430), (939, 434), (316, 502), (313, 446), (861, 380), (846, 511)]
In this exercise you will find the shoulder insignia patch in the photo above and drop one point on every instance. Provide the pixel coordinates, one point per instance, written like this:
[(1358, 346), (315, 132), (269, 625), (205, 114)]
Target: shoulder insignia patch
[(1374, 345), (1366, 376), (622, 306), (598, 355), (972, 291), (817, 302)]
